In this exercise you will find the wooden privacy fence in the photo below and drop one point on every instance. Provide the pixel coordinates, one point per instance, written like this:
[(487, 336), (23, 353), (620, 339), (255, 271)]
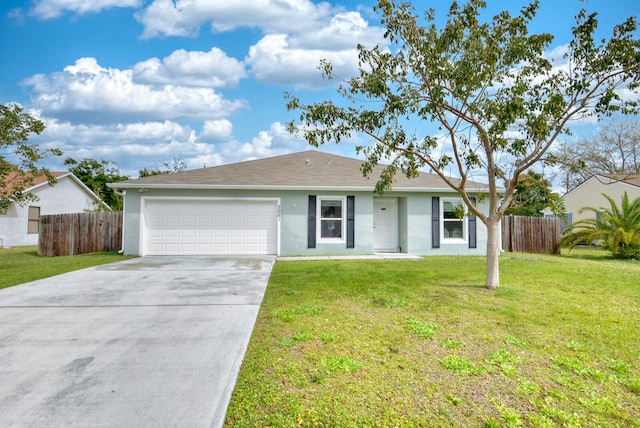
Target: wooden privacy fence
[(79, 233), (531, 235)]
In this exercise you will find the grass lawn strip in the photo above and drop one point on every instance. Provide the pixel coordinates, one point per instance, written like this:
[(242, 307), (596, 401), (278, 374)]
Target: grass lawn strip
[(416, 343), (22, 264)]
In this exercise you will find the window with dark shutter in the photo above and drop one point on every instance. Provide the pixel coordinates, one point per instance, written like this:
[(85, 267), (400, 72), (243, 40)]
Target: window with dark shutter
[(435, 222), (472, 226), (350, 221), (311, 225)]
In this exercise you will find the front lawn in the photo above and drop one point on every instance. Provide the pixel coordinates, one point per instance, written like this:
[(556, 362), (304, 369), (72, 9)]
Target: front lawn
[(422, 343), (22, 264)]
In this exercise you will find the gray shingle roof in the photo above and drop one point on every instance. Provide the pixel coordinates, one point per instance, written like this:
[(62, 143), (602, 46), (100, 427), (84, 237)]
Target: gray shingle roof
[(633, 179), (308, 169)]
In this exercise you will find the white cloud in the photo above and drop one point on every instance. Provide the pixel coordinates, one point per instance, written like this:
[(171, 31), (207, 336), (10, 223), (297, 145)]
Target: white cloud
[(343, 31), (194, 68), (293, 59), (275, 141), (131, 146), (48, 9), (273, 60), (135, 146), (556, 55), (88, 92), (299, 34), (217, 130), (185, 17)]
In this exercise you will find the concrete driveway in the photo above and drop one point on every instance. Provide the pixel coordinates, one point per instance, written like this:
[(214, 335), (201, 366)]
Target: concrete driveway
[(148, 342)]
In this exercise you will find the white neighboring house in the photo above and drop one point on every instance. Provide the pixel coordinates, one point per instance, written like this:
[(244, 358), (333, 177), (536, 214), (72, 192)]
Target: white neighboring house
[(19, 226), (589, 194)]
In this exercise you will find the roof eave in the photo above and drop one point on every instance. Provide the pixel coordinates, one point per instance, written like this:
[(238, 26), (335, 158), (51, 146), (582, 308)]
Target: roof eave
[(149, 186), (45, 183)]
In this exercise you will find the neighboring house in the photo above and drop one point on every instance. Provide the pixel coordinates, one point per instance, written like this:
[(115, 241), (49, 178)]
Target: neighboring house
[(308, 203), (589, 194), (19, 226)]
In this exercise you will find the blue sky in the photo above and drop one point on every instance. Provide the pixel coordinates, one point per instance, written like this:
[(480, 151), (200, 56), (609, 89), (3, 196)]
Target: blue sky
[(138, 82)]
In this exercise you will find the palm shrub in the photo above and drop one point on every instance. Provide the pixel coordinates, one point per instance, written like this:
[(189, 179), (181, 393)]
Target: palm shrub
[(617, 228)]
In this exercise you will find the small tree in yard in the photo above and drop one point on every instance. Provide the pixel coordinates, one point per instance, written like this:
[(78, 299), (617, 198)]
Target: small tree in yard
[(498, 101), (19, 158), (532, 195), (617, 228)]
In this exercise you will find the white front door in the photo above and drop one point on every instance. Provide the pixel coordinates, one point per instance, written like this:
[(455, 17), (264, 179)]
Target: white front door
[(385, 225)]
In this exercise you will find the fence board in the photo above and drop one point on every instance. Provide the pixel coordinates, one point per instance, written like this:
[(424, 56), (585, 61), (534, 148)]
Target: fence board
[(531, 235), (79, 233)]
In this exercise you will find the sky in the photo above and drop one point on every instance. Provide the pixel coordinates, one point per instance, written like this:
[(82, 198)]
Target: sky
[(140, 82)]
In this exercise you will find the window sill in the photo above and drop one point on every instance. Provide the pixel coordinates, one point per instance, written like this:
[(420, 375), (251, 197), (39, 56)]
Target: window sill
[(331, 241), (457, 241)]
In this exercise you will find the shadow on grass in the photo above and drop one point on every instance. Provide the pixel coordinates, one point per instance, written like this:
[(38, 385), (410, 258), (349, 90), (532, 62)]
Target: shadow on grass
[(593, 253)]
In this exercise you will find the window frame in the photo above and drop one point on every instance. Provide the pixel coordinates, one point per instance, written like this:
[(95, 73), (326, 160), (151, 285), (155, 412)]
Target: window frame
[(343, 220), (443, 221), (33, 223)]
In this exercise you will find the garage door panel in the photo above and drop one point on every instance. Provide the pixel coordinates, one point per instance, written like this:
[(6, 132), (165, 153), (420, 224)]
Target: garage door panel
[(188, 233), (205, 233), (171, 247), (205, 248), (210, 227)]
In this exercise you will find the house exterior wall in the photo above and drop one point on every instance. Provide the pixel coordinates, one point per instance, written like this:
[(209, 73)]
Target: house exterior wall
[(293, 218), (293, 233), (414, 221), (589, 194), (419, 228), (64, 197)]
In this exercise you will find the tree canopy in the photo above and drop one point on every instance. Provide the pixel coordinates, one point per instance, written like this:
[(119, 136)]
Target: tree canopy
[(175, 164), (95, 175), (18, 157), (614, 149), (532, 195), (496, 98)]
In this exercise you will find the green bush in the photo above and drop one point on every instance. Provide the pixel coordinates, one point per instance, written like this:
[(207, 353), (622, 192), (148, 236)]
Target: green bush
[(627, 252)]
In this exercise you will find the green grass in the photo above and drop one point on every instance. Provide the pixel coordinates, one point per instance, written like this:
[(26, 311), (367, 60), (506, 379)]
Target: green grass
[(423, 344), (22, 264)]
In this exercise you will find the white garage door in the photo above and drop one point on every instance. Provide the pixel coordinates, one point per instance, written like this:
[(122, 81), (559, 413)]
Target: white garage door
[(184, 227)]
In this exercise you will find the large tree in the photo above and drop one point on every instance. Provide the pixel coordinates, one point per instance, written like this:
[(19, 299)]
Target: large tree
[(18, 157), (95, 175), (532, 195), (613, 149), (497, 99)]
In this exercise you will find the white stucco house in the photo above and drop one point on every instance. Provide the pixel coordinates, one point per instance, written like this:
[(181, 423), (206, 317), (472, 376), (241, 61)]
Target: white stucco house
[(19, 226), (307, 203), (590, 194)]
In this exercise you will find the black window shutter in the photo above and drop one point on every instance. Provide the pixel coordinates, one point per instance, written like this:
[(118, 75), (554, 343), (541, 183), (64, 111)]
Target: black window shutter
[(472, 227), (350, 221), (311, 226), (435, 222)]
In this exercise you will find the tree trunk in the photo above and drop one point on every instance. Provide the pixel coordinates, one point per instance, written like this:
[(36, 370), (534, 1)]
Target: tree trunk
[(493, 255)]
